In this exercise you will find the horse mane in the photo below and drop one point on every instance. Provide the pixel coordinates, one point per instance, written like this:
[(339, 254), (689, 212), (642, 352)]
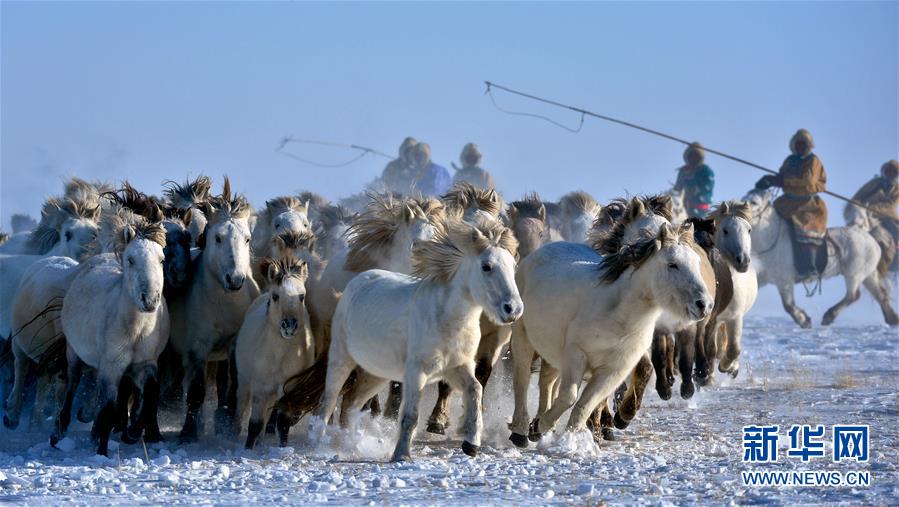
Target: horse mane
[(226, 206), (333, 215), (373, 230), (285, 203), (614, 264), (610, 241), (188, 195), (529, 207), (464, 195), (314, 200), (121, 225), (703, 231), (439, 259), (293, 240), (85, 192), (138, 202), (737, 209), (577, 201), (54, 213), (278, 270)]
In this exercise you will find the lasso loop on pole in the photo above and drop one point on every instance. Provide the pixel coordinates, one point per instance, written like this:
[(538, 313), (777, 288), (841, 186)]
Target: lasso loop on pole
[(364, 151), (533, 115)]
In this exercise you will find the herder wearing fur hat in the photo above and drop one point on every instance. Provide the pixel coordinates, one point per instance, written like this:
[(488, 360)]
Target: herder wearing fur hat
[(881, 195), (802, 177), (398, 171), (471, 170), (697, 181)]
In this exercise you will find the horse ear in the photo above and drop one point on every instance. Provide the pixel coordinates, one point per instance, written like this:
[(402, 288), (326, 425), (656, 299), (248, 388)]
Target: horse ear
[(513, 212), (186, 217), (636, 209), (725, 208), (271, 269), (304, 270), (226, 190), (541, 212), (305, 206), (128, 234), (408, 213), (686, 232)]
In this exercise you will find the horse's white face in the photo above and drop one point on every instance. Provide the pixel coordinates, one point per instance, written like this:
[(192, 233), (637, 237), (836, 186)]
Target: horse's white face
[(733, 238), (491, 277), (291, 221), (405, 238), (678, 284), (477, 215), (286, 306), (227, 252), (646, 224), (142, 270), (75, 236)]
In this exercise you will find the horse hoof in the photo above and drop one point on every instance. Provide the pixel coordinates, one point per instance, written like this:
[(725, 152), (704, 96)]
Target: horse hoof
[(664, 392), (401, 457), (436, 428), (619, 422), (152, 437), (534, 434), (806, 324), (470, 449), (9, 423), (519, 440), (687, 390), (701, 379), (131, 436), (608, 434), (54, 439)]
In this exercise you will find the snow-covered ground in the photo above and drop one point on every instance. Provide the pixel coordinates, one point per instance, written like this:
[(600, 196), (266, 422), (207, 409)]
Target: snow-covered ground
[(681, 452)]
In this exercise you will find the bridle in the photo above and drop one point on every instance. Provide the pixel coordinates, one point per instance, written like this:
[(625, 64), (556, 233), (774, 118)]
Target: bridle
[(780, 223)]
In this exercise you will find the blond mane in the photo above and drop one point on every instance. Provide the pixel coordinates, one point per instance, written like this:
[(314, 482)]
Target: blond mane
[(737, 209), (279, 270), (464, 196), (529, 207), (224, 207), (188, 195), (578, 201), (633, 256), (438, 260), (374, 229)]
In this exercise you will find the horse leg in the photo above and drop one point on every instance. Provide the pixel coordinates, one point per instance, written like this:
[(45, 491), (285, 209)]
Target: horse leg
[(150, 407), (466, 380), (633, 398), (601, 422), (413, 383), (602, 383), (547, 386), (659, 353), (262, 405), (340, 366), (686, 347), (439, 419), (852, 295), (270, 426), (367, 385), (789, 303), (874, 286), (394, 397), (226, 386), (195, 374), (72, 379), (705, 348), (14, 402), (522, 357), (110, 379), (89, 396), (126, 389), (573, 367), (244, 396), (730, 363)]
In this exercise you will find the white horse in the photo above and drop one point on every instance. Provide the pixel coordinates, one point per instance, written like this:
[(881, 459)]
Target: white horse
[(851, 252), (419, 330), (470, 203), (208, 314), (579, 211), (116, 321), (68, 230), (588, 314), (275, 343), (281, 214)]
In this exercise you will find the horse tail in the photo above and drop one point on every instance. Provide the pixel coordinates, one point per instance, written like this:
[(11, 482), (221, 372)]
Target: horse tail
[(303, 391)]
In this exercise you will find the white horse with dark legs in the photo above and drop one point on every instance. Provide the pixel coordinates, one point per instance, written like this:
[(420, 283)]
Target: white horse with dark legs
[(275, 342), (116, 321), (208, 314), (851, 252), (420, 330), (595, 315)]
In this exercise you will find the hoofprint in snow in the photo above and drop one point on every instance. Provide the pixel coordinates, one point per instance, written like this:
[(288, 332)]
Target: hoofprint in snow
[(674, 452)]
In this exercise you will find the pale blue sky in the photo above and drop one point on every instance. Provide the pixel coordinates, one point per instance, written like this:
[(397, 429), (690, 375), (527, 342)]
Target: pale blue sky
[(151, 91)]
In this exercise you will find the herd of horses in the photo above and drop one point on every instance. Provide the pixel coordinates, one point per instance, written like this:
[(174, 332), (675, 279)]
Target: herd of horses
[(124, 304)]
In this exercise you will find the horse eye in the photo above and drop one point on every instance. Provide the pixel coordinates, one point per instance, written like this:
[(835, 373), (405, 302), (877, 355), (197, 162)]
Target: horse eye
[(68, 235), (275, 298), (218, 239), (486, 268), (277, 226), (750, 229), (672, 265), (247, 241), (725, 232), (130, 261), (302, 298)]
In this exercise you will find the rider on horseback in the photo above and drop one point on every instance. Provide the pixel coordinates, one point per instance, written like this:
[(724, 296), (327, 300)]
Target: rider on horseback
[(471, 170), (697, 181), (398, 170), (802, 177), (881, 194)]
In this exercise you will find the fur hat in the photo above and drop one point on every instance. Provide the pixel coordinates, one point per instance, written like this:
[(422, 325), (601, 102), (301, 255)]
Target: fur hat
[(805, 135), (696, 148), (890, 170), (470, 150)]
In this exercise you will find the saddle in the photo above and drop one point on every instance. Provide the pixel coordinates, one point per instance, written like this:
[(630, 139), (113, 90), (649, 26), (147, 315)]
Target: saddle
[(810, 259)]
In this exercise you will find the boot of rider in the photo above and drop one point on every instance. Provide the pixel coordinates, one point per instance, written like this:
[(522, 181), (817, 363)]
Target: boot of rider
[(808, 261)]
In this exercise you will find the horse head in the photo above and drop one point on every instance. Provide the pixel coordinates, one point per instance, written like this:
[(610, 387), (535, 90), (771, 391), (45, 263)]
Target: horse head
[(140, 248), (733, 230), (285, 308), (226, 239)]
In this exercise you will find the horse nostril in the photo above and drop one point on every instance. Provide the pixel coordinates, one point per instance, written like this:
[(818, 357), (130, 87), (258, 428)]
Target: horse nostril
[(700, 304), (228, 279), (507, 307)]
